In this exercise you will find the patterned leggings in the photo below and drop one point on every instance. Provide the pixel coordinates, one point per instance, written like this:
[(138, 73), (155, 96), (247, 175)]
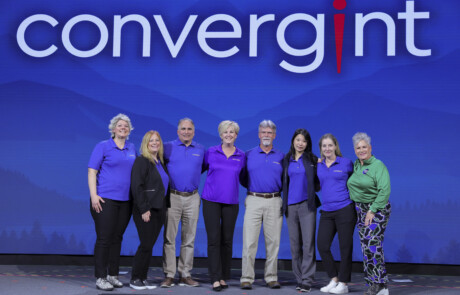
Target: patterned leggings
[(372, 243)]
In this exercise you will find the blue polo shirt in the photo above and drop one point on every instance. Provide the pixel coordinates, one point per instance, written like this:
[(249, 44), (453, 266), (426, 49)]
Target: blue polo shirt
[(333, 180), (297, 181), (264, 170), (164, 176), (114, 169), (184, 164), (222, 181)]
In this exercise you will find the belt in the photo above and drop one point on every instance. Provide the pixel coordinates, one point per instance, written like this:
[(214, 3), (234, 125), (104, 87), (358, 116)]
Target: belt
[(265, 195), (183, 194)]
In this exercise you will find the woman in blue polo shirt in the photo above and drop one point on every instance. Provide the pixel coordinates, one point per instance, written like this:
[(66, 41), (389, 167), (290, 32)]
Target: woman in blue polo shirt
[(109, 171), (338, 214), (299, 204), (224, 163)]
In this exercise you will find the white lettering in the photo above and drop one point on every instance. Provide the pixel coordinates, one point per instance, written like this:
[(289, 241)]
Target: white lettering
[(175, 48), (203, 34), (359, 31), (254, 24), (317, 46), (410, 15), (81, 18), (118, 23), (20, 35)]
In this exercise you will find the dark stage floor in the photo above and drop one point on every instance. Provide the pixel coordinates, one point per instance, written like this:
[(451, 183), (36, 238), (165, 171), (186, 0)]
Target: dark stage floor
[(54, 280)]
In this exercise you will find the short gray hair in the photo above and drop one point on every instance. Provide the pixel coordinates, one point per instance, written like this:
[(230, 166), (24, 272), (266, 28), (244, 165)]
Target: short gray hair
[(115, 120), (361, 136), (183, 120), (267, 124), (224, 125)]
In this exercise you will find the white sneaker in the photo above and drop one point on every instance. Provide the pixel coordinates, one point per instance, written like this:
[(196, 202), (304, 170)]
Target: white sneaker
[(341, 288), (332, 284), (149, 285), (114, 281), (103, 284)]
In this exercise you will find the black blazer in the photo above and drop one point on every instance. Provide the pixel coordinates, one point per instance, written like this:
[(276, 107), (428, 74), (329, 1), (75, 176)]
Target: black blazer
[(313, 184), (147, 187)]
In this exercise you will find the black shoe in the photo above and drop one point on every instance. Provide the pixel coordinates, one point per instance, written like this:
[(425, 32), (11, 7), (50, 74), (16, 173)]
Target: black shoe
[(224, 286), (137, 284), (217, 288), (246, 286), (298, 287), (377, 289), (305, 288)]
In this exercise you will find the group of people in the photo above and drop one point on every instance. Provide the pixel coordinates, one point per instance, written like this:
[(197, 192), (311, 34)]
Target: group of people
[(160, 187)]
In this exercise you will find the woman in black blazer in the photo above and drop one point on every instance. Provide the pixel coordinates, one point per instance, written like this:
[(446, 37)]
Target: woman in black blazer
[(300, 184), (150, 191)]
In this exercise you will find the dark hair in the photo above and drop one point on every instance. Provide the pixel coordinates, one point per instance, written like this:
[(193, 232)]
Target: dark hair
[(308, 150)]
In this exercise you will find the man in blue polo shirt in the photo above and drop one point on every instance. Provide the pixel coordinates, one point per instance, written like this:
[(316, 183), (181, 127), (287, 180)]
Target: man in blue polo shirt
[(262, 178), (184, 160)]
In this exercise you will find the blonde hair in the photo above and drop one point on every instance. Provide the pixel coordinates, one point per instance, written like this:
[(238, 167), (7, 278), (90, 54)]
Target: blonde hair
[(224, 125), (334, 140), (114, 121), (144, 149)]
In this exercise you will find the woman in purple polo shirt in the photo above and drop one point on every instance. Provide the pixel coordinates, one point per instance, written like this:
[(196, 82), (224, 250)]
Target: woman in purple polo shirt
[(150, 190), (299, 204), (109, 171), (224, 163), (338, 214)]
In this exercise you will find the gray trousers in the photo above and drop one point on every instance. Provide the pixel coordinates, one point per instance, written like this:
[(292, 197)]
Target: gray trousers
[(301, 223), (267, 211), (186, 209)]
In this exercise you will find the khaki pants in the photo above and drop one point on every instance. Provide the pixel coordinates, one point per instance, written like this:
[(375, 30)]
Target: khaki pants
[(186, 209), (267, 211)]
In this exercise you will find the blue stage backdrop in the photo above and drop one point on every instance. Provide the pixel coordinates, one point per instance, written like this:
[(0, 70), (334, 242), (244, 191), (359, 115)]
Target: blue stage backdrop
[(67, 67)]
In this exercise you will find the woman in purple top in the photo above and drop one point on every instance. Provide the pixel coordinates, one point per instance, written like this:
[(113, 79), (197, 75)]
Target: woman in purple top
[(150, 191), (109, 171), (299, 204), (338, 214), (220, 201)]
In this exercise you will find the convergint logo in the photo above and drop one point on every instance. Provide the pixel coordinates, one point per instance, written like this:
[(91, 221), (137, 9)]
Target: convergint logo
[(256, 24)]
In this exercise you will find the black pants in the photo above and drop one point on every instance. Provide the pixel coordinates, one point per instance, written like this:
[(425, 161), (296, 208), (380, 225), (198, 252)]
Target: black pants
[(219, 220), (110, 225), (148, 234), (343, 222)]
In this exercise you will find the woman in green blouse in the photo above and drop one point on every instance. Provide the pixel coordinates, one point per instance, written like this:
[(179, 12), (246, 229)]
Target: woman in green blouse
[(369, 187)]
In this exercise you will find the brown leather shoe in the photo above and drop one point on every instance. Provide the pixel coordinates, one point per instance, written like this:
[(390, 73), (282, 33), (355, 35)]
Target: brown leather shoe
[(189, 282), (167, 283), (246, 285), (274, 285)]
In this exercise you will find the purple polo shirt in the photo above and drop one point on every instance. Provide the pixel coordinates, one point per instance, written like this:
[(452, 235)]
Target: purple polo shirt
[(184, 164), (114, 169), (264, 170), (164, 176), (333, 180), (222, 181), (297, 181)]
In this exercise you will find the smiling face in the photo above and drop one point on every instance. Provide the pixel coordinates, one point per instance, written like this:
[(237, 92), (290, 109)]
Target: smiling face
[(300, 143), (154, 144), (228, 136), (121, 129), (328, 148), (186, 132), (266, 136), (363, 150)]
